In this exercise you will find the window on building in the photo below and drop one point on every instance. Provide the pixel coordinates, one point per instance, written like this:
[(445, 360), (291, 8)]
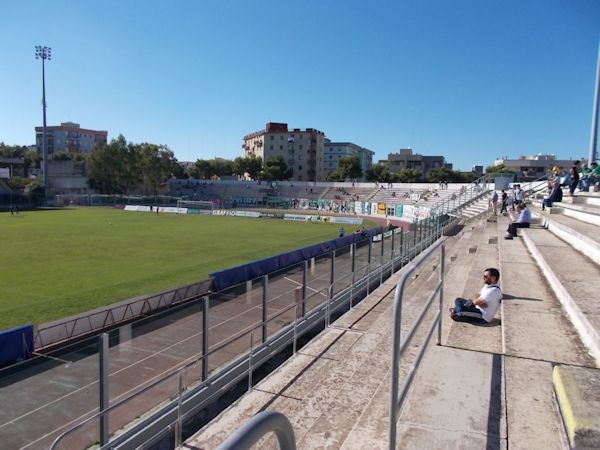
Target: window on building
[(299, 167), (281, 147), (281, 137), (270, 147), (300, 147), (330, 156), (272, 137)]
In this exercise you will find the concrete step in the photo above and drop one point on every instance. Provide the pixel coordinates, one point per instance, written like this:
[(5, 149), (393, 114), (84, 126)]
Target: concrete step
[(573, 277), (583, 236), (536, 336), (578, 394), (324, 399), (589, 213), (584, 198)]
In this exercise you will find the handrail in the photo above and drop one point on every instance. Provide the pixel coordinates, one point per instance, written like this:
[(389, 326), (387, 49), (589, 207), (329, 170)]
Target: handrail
[(398, 349), (259, 425)]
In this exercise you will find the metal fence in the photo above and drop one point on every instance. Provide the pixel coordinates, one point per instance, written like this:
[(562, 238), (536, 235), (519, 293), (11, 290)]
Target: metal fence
[(66, 331), (232, 332)]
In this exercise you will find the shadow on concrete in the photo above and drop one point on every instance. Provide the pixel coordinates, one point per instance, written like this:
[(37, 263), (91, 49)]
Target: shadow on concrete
[(495, 408), (516, 297)]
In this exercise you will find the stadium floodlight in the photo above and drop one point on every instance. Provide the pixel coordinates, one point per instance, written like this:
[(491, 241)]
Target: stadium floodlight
[(44, 53)]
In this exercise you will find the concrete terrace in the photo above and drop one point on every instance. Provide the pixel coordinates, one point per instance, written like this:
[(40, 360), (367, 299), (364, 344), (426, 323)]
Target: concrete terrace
[(530, 379)]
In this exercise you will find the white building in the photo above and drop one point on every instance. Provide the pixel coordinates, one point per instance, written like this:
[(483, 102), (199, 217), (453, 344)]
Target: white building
[(302, 150), (69, 137), (333, 151)]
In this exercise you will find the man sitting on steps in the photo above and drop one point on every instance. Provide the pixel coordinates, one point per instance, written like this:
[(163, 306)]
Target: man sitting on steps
[(522, 221), (484, 307)]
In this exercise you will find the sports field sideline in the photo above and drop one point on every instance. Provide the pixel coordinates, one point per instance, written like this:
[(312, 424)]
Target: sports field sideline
[(57, 263)]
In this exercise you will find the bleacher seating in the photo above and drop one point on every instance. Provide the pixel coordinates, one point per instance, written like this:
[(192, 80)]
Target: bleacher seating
[(530, 371)]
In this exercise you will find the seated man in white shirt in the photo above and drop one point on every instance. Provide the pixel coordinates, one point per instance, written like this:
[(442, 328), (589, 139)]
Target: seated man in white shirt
[(522, 221), (482, 309)]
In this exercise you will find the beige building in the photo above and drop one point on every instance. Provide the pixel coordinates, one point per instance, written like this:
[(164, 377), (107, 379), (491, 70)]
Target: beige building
[(406, 159), (302, 150), (535, 165)]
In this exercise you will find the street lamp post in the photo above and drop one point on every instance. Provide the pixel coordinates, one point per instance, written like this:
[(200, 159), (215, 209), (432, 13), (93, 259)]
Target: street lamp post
[(44, 53)]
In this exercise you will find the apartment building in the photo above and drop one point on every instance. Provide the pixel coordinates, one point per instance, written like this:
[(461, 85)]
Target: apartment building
[(406, 159), (535, 165), (333, 151), (302, 150), (69, 137)]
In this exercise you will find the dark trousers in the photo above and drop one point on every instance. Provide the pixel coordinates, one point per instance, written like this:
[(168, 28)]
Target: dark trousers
[(512, 228), (464, 311)]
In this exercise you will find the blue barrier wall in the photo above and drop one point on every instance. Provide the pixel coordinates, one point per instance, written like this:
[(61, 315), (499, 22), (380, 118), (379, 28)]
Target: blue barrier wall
[(16, 343), (255, 269)]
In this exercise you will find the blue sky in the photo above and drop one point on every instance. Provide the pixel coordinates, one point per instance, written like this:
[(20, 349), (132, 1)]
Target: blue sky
[(472, 80)]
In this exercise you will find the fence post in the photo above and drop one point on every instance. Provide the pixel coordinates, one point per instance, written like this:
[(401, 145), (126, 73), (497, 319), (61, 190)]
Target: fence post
[(392, 252), (179, 424), (369, 265), (104, 397), (264, 308), (305, 269), (441, 305), (332, 278), (205, 338)]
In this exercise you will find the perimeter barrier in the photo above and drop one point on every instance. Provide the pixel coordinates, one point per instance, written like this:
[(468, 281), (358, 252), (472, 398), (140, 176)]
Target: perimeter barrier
[(267, 313)]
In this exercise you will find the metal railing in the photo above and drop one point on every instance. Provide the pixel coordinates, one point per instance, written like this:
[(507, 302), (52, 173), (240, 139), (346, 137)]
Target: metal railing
[(71, 329), (470, 193), (261, 424), (398, 393), (351, 275)]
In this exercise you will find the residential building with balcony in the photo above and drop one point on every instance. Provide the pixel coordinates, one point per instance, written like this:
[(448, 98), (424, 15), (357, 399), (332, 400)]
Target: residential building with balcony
[(302, 150), (69, 137), (333, 151)]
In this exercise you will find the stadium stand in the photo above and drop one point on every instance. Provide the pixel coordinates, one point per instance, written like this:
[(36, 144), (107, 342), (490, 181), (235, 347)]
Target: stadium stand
[(526, 373)]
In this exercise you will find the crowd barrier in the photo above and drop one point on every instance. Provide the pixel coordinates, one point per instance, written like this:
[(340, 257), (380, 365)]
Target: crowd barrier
[(235, 275), (16, 344)]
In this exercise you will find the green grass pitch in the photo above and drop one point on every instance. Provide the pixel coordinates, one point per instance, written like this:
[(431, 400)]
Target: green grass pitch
[(58, 263)]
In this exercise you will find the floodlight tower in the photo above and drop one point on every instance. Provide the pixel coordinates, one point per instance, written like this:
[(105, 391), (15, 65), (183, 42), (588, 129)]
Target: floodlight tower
[(594, 137), (44, 53)]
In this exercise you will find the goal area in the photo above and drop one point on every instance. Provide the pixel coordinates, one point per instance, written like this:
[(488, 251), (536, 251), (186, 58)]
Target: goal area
[(195, 204)]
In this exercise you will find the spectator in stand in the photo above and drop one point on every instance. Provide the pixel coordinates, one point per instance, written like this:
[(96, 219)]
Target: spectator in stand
[(584, 178), (522, 221), (554, 196), (504, 199), (483, 307), (494, 202), (341, 232), (574, 179), (594, 177), (517, 196)]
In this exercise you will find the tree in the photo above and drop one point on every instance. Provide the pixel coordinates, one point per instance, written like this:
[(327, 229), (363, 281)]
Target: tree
[(222, 167), (501, 168), (276, 169), (254, 165), (239, 167), (202, 170), (379, 172), (111, 167), (349, 167), (154, 164), (407, 176), (334, 176)]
